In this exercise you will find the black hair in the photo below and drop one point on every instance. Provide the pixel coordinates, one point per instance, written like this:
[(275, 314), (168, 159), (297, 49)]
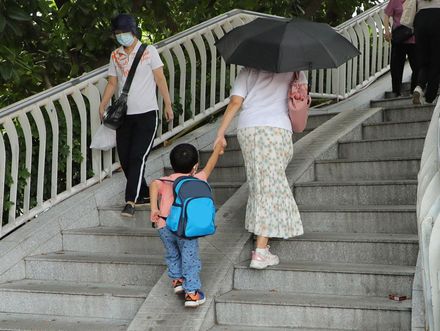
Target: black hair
[(183, 158)]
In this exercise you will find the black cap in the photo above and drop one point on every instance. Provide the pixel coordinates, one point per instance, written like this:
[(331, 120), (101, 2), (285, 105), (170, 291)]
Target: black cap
[(124, 23)]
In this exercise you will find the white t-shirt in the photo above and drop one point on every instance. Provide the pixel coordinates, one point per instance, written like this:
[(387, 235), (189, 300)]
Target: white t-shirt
[(142, 93), (265, 98)]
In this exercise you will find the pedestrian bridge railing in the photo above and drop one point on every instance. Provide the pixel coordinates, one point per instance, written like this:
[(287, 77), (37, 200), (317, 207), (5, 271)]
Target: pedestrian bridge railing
[(428, 218), (44, 154)]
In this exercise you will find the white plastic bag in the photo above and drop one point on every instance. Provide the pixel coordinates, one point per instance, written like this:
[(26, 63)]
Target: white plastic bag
[(104, 138)]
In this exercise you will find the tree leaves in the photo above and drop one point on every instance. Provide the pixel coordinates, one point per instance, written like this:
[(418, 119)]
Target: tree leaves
[(18, 14)]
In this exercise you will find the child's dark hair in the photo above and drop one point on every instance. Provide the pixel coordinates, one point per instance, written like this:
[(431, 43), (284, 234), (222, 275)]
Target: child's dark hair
[(183, 158)]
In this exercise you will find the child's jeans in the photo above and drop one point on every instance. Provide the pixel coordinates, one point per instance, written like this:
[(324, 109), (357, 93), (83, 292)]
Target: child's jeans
[(182, 258)]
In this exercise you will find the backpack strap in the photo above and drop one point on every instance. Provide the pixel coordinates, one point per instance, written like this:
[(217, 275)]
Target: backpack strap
[(133, 67)]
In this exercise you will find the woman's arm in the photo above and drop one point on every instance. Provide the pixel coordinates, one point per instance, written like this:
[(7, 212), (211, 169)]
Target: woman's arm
[(386, 23), (233, 107), (161, 82), (108, 93)]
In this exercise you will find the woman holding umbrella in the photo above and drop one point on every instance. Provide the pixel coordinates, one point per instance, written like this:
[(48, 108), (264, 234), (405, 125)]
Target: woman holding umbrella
[(271, 50), (265, 137)]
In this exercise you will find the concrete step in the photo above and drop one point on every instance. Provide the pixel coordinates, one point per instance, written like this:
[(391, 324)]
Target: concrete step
[(231, 157), (373, 248), (327, 278), (391, 192), (78, 299), (261, 328), (392, 102), (381, 148), (122, 269), (114, 240), (408, 113), (315, 120), (111, 216), (222, 191), (386, 168), (222, 174), (395, 129), (34, 322), (362, 219), (291, 309)]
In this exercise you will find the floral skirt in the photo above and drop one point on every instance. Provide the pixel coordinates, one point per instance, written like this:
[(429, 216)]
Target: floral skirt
[(271, 209)]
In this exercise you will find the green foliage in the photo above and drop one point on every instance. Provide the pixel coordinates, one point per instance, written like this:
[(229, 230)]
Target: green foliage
[(47, 42)]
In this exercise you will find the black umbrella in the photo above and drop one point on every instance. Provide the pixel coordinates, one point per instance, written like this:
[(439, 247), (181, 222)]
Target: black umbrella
[(280, 45)]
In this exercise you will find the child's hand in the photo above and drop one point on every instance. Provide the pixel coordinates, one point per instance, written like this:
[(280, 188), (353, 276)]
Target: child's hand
[(154, 215)]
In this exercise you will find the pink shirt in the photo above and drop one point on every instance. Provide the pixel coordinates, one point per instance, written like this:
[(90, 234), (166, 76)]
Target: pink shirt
[(394, 9), (166, 194)]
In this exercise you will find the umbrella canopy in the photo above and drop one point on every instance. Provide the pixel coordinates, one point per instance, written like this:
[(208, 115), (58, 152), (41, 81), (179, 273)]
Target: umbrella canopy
[(280, 45)]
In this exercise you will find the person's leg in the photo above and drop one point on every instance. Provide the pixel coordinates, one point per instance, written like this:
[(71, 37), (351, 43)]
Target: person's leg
[(412, 59), (191, 267), (422, 48), (434, 56), (261, 242), (398, 56), (144, 131), (191, 264), (172, 256), (123, 143)]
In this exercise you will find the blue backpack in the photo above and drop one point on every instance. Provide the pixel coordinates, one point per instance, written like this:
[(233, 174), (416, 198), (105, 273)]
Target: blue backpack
[(192, 214)]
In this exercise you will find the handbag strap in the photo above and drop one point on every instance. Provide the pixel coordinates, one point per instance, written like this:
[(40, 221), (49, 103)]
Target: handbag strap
[(134, 65)]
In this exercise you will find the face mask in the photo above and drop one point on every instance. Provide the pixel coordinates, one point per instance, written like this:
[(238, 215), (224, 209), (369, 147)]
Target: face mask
[(125, 39)]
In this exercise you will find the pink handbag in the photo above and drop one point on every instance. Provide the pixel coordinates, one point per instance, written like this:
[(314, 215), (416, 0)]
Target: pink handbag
[(298, 102)]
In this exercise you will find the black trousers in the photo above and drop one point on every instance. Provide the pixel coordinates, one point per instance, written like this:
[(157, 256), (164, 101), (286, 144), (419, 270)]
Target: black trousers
[(399, 52), (427, 31), (134, 141)]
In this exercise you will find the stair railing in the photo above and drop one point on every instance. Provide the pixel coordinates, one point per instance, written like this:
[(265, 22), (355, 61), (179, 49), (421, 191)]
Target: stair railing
[(44, 154), (428, 219)]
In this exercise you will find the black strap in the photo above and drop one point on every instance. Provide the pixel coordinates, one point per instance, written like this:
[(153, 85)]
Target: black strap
[(134, 65)]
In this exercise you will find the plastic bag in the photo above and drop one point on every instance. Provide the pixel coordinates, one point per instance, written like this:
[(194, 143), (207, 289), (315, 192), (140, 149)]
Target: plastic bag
[(104, 138)]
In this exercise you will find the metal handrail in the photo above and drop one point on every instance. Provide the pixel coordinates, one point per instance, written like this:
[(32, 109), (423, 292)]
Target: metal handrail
[(188, 56)]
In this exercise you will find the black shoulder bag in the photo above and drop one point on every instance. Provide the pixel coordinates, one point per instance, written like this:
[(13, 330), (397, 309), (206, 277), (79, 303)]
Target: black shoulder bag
[(115, 113)]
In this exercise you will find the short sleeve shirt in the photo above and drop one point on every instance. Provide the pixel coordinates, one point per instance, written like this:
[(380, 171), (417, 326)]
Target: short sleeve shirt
[(166, 194), (142, 94), (394, 9), (265, 98)]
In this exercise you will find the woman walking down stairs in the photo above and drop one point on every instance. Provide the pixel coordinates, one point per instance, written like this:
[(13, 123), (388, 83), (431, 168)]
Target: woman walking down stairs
[(360, 244)]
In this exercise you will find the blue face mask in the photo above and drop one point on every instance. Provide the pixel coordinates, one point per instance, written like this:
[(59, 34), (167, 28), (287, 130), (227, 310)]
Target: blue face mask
[(125, 39)]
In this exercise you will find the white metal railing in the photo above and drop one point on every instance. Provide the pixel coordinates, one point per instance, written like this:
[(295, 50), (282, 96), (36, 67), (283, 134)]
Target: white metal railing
[(428, 219), (365, 31), (55, 126)]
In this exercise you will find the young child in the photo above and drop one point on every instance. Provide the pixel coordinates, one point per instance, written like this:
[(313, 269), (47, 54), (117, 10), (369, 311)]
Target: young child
[(182, 255)]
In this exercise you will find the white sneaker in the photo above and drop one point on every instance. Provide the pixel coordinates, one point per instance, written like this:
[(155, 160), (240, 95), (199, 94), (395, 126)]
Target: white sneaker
[(263, 259), (418, 96)]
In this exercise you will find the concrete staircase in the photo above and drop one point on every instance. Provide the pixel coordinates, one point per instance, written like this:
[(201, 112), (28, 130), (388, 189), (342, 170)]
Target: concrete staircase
[(103, 274), (360, 242)]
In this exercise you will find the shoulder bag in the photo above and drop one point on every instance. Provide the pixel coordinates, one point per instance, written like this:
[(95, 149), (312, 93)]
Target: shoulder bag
[(115, 113)]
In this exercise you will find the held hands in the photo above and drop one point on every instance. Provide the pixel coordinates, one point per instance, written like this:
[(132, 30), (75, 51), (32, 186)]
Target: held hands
[(169, 114), (220, 140)]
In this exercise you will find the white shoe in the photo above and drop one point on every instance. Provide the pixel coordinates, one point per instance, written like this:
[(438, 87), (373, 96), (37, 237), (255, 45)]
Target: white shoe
[(418, 96), (261, 260)]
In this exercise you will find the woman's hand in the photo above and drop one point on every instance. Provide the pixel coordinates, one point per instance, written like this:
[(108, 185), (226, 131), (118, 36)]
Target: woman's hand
[(101, 112), (169, 114), (387, 35)]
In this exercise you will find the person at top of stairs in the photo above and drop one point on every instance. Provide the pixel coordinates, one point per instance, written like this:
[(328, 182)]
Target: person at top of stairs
[(182, 255), (134, 139), (265, 137), (399, 49), (427, 31)]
